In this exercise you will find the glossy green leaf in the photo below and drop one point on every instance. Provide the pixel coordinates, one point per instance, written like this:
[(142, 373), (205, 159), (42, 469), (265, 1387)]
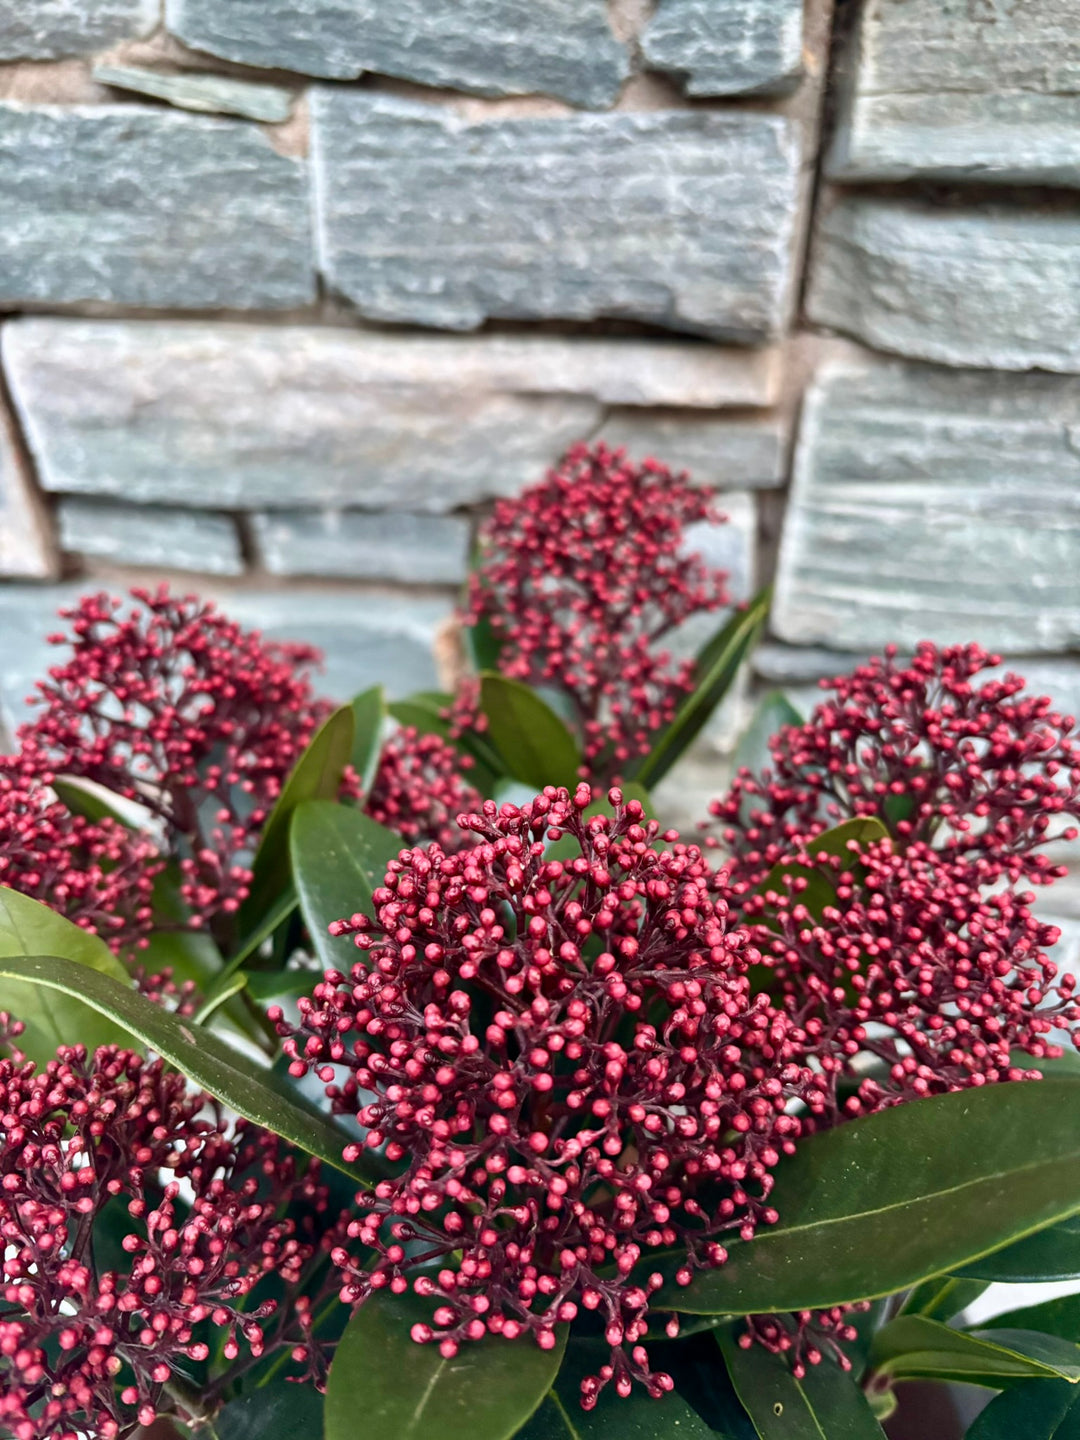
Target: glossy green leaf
[(483, 645), (425, 713), (943, 1298), (405, 1391), (560, 1417), (369, 713), (913, 1347), (715, 670), (1035, 1410), (28, 927), (339, 856), (880, 1204), (1052, 1317), (835, 843), (316, 776), (772, 714), (94, 802), (1052, 1254), (533, 743), (200, 1054), (278, 1411), (826, 1404)]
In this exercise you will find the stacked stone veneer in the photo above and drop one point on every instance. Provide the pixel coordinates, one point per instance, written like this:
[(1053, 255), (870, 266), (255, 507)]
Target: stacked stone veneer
[(289, 292)]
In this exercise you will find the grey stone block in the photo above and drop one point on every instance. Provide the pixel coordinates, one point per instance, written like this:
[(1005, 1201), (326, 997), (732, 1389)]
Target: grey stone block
[(933, 504), (490, 47), (984, 286), (740, 454), (984, 92), (253, 417), (52, 29), (167, 539), (679, 218), (211, 94), (26, 546), (425, 549), (727, 47), (149, 207)]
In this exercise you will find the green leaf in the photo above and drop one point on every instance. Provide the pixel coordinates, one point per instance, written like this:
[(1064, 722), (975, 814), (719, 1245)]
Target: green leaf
[(533, 743), (715, 669), (1052, 1254), (835, 843), (26, 927), (1052, 1317), (638, 1417), (880, 1204), (208, 1061), (316, 776), (339, 856), (406, 1391), (369, 712), (826, 1404), (278, 1411), (483, 644), (425, 713), (942, 1298), (94, 802), (1035, 1410), (772, 714), (912, 1347)]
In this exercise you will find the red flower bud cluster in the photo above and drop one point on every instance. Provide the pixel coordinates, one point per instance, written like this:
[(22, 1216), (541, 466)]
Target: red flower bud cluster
[(113, 1150), (421, 787), (583, 580), (173, 705), (565, 1056), (807, 1336)]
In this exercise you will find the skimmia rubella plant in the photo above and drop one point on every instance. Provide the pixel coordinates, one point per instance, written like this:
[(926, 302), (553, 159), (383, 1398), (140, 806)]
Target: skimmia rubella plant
[(609, 1118)]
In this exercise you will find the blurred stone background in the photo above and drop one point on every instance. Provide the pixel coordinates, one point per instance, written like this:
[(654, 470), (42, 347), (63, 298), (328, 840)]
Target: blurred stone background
[(291, 289)]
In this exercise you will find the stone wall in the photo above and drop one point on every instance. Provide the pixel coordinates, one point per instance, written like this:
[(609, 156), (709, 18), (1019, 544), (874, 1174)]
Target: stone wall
[(292, 289)]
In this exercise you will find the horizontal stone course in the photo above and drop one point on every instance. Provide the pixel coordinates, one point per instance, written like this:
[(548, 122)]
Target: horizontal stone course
[(981, 92), (142, 206), (53, 29), (732, 454), (986, 285), (679, 218), (727, 47), (149, 535), (491, 47), (933, 504), (254, 417), (422, 549)]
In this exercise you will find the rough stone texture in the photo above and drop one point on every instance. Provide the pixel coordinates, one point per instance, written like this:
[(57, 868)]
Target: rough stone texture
[(928, 503), (146, 535), (977, 91), (26, 547), (490, 47), (148, 207), (987, 285), (736, 453), (212, 94), (52, 29), (423, 549), (250, 417), (727, 47), (680, 218)]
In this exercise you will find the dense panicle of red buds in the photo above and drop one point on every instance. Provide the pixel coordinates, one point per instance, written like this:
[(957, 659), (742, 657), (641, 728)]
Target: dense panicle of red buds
[(565, 1057), (118, 1142), (583, 580), (421, 787), (978, 770), (174, 705), (97, 873)]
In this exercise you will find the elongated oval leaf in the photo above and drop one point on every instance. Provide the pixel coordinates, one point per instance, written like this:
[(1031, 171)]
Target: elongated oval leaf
[(201, 1055), (28, 927), (531, 740), (715, 670), (913, 1347), (278, 1411), (1052, 1254), (406, 1391), (943, 1298), (316, 776), (339, 856), (881, 1204), (772, 714), (826, 1404), (1052, 1317), (426, 711), (1035, 1410), (369, 713)]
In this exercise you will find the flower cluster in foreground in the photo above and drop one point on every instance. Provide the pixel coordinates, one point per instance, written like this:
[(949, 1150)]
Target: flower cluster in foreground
[(566, 1057), (584, 579)]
